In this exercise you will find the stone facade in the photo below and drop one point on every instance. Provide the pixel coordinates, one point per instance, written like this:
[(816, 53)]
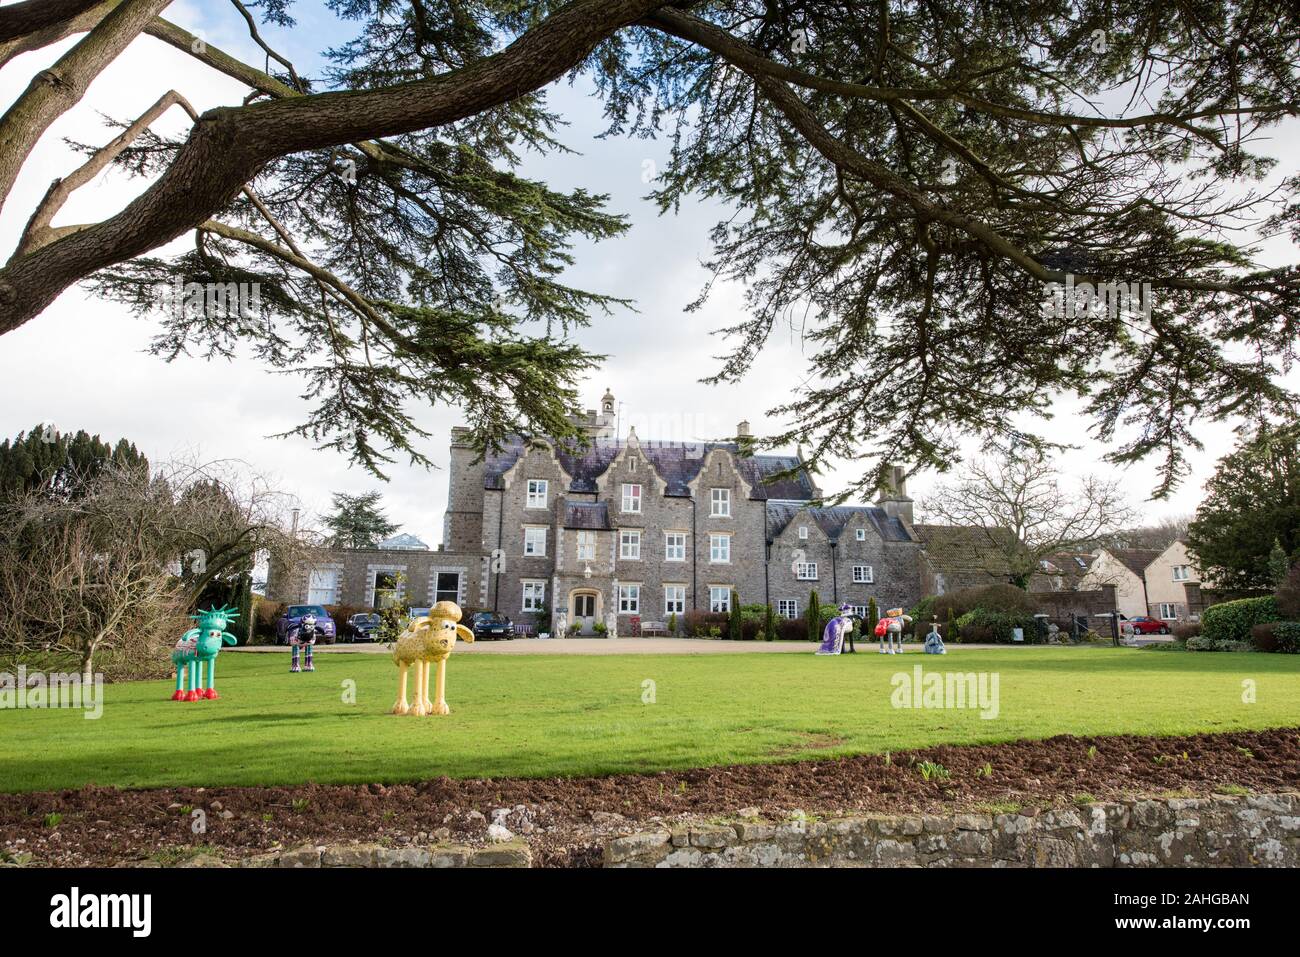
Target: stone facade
[(617, 531), (623, 530), (348, 576), (1220, 831)]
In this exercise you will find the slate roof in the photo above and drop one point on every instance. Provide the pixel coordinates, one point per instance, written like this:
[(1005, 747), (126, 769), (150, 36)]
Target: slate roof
[(676, 462), (833, 519), (585, 515), (961, 550), (1135, 560)]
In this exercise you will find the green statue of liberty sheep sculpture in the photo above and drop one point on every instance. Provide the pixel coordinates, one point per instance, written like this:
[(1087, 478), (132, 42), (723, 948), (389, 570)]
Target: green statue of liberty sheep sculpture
[(200, 645)]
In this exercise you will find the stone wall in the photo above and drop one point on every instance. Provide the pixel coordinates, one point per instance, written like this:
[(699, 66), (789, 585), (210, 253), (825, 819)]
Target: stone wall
[(1219, 831)]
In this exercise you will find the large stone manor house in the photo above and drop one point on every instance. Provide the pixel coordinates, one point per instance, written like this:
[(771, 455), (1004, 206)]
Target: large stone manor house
[(640, 530)]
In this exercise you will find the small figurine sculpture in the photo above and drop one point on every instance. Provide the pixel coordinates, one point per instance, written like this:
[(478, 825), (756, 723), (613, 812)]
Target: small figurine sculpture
[(303, 638), (198, 646), (425, 641), (561, 624), (891, 627), (837, 630), (934, 641), (611, 625)]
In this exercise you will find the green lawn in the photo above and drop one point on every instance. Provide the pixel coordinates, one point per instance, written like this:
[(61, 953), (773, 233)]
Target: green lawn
[(569, 715)]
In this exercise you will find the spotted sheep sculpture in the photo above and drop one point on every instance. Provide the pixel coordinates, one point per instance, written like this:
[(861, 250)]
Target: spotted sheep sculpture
[(427, 641)]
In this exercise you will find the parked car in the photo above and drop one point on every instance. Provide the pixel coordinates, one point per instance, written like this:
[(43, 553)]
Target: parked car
[(488, 625), (363, 626), (1144, 625), (326, 631)]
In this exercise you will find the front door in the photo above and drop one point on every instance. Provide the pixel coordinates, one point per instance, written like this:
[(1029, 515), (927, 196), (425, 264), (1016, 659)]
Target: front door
[(584, 612)]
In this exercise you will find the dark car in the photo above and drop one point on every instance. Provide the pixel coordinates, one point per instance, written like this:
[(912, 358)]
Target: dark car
[(288, 623), (363, 626), (1143, 625), (488, 625)]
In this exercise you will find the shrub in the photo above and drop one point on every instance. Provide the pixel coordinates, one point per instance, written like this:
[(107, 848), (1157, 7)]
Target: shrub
[(1288, 595), (1277, 636), (813, 619), (1186, 630), (1005, 598), (265, 614), (734, 631), (705, 624), (984, 625), (792, 629), (1208, 644), (1198, 643), (769, 623), (1233, 620)]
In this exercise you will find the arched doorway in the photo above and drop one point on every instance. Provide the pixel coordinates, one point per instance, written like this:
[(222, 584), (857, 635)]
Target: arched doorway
[(585, 609)]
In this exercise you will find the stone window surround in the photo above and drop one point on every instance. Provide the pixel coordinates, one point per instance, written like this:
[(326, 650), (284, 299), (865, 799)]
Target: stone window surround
[(719, 504), (805, 571), (532, 588), (461, 573), (635, 538), (726, 598), (376, 568), (679, 598), (585, 545), (530, 496), (629, 498), (683, 536), (535, 528), (336, 567), (868, 575), (629, 595), (713, 549), (792, 612)]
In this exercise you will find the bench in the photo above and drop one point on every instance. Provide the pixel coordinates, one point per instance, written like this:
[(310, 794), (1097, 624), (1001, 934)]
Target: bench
[(654, 628)]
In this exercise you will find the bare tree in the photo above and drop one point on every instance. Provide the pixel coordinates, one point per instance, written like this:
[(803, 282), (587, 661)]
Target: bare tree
[(114, 568), (1024, 512)]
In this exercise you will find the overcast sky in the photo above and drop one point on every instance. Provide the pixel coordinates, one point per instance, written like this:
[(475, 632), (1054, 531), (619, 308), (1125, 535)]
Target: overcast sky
[(83, 363)]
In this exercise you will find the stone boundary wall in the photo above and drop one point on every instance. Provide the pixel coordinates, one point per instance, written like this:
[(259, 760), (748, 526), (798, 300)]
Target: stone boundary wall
[(509, 854), (1256, 830)]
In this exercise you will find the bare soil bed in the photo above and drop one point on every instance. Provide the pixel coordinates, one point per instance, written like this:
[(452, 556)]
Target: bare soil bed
[(566, 820)]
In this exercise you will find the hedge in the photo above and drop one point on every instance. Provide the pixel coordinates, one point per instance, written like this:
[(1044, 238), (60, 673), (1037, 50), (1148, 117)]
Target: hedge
[(1277, 636), (1233, 620), (996, 627)]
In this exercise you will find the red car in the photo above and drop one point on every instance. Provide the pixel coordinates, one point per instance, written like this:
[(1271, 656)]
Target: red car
[(1142, 625)]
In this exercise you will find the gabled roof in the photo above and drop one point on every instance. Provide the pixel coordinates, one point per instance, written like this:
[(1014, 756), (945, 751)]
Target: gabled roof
[(676, 462), (963, 549), (1135, 560), (832, 520), (586, 515)]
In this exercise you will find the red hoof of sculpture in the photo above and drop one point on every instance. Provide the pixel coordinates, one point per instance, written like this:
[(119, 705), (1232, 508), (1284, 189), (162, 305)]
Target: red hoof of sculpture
[(179, 696), (192, 696), (210, 693)]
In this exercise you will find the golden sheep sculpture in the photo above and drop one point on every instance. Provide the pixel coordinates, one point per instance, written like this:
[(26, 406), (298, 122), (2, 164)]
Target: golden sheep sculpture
[(425, 641)]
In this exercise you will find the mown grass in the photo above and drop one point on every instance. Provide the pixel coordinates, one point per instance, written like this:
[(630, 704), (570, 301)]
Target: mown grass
[(570, 715)]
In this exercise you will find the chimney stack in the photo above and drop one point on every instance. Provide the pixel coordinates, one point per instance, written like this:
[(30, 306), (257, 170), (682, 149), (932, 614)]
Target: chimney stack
[(894, 500)]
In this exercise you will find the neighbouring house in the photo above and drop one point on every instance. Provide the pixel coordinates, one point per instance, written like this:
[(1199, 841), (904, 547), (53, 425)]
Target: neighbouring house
[(954, 557), (1125, 570), (637, 530), (1174, 585)]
